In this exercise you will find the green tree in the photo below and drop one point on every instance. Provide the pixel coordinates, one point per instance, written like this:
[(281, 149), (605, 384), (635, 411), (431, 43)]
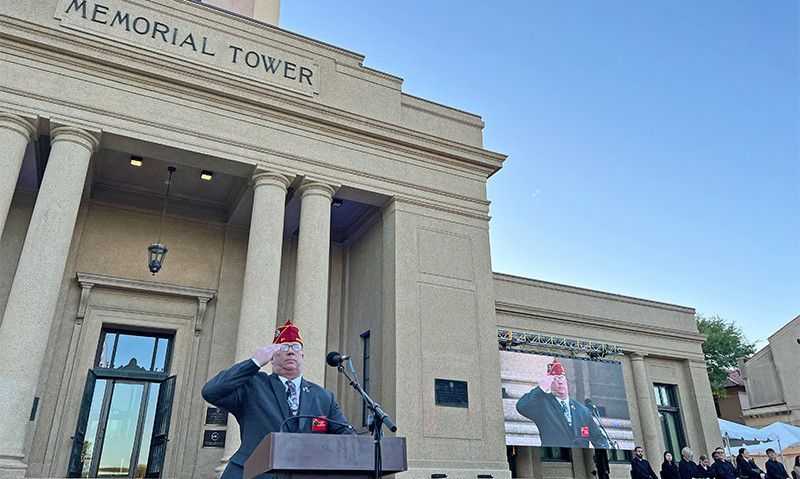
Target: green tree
[(724, 345)]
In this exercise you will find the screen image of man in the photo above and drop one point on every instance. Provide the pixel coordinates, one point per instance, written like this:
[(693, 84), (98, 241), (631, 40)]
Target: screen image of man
[(261, 402), (561, 420)]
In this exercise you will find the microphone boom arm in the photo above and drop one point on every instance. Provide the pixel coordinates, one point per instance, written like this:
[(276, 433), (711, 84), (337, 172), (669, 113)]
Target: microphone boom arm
[(596, 414), (378, 417)]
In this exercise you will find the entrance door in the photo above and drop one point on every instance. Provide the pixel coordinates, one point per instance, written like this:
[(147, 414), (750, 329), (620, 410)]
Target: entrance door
[(124, 407)]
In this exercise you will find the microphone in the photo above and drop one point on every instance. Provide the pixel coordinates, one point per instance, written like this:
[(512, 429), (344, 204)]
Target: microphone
[(334, 359), (590, 404), (323, 418)]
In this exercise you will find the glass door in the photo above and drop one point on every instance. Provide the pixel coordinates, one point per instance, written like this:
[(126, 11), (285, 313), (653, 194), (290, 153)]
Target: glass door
[(126, 394), (123, 429)]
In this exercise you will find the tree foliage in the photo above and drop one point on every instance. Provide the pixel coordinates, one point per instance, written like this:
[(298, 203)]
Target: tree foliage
[(725, 344)]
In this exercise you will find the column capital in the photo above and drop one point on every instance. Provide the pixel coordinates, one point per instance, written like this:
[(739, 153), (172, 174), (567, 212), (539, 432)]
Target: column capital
[(265, 177), (313, 187), (637, 356), (26, 127), (85, 138)]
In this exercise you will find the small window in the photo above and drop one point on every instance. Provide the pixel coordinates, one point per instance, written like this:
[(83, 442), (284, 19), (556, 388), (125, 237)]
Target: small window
[(133, 351), (669, 415), (556, 454), (619, 456)]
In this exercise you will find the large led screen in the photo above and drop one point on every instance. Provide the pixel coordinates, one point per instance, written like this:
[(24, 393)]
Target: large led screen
[(564, 402)]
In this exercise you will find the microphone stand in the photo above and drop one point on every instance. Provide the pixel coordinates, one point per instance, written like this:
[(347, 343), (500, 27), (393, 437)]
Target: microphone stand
[(611, 442), (378, 418)]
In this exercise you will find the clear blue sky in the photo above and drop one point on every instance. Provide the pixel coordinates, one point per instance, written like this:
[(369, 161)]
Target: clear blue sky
[(652, 146)]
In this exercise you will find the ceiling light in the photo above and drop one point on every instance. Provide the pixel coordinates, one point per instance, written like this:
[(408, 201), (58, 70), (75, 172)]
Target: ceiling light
[(336, 202), (206, 175), (136, 161)]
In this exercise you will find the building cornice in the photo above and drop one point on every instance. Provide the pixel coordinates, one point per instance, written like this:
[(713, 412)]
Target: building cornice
[(165, 73), (593, 293), (772, 410), (596, 321)]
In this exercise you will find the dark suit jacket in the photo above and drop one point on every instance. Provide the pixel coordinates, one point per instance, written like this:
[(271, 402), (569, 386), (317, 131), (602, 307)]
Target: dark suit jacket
[(258, 401), (723, 469), (776, 470), (545, 410), (670, 470), (641, 469), (747, 469), (689, 470)]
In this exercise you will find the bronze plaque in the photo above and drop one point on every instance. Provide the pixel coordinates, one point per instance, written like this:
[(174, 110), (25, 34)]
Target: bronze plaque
[(216, 416), (214, 438), (451, 393)]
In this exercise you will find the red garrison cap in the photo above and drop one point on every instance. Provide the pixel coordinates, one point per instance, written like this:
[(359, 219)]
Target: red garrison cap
[(288, 333), (555, 368)]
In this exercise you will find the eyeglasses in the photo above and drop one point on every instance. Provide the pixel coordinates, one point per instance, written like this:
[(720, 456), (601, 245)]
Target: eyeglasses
[(295, 347)]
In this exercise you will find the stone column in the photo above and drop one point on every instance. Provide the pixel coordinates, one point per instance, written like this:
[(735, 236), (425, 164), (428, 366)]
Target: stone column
[(15, 134), (706, 423), (259, 310), (651, 429), (311, 277), (34, 291)]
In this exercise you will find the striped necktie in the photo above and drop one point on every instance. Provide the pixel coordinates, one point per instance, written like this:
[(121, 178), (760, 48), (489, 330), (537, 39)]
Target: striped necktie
[(291, 397), (567, 414)]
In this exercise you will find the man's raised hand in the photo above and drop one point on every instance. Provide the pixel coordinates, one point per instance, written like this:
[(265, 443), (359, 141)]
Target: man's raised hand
[(264, 354), (546, 382)]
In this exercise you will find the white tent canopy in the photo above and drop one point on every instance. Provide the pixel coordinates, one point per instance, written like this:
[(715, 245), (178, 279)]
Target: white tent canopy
[(778, 436)]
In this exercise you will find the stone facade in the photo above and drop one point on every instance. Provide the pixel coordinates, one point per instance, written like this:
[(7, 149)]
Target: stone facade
[(336, 200), (773, 392)]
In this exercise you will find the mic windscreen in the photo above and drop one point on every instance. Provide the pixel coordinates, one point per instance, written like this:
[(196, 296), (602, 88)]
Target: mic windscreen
[(334, 359), (319, 424)]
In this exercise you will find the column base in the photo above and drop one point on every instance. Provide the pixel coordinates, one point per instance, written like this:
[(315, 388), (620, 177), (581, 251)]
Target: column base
[(223, 463), (12, 466)]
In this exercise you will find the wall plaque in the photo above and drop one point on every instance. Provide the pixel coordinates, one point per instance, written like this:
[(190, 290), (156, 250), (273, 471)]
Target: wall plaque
[(451, 393), (214, 438), (216, 416)]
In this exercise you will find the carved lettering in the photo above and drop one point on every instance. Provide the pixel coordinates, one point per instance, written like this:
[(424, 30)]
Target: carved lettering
[(269, 63), (236, 51), (254, 56), (306, 73), (141, 21), (75, 5), (159, 27), (102, 10), (149, 25), (189, 40), (204, 51), (119, 18), (287, 67)]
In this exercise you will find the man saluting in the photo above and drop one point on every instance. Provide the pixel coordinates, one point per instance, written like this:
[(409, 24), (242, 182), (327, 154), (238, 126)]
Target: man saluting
[(562, 422), (261, 402)]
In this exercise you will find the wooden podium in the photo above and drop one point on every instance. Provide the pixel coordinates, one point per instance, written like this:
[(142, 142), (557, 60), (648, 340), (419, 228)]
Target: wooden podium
[(284, 455)]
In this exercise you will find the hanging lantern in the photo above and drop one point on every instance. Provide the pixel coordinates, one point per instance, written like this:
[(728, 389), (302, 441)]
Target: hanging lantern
[(157, 251)]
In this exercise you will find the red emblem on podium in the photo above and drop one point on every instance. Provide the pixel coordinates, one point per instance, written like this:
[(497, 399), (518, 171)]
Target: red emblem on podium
[(319, 424)]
